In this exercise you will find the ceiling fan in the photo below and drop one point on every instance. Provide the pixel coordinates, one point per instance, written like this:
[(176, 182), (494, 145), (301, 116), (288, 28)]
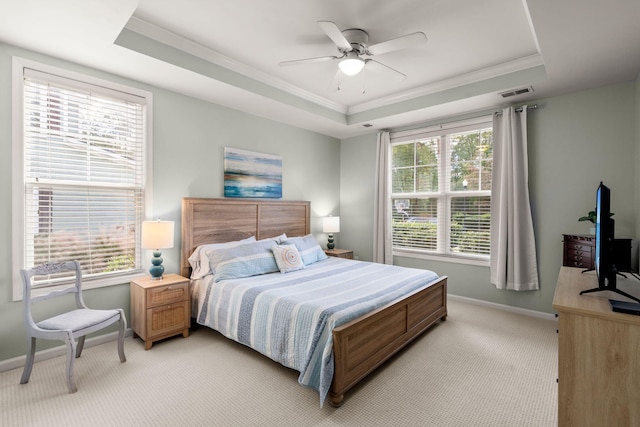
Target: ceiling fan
[(353, 45)]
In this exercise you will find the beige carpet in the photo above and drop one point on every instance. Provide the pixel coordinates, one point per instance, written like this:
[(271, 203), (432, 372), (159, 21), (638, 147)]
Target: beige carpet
[(482, 367)]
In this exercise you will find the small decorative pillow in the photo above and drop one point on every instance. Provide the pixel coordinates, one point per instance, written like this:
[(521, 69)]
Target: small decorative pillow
[(287, 257), (309, 249)]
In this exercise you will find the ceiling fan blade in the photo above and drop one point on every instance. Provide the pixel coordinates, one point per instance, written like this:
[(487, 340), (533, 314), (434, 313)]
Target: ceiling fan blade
[(378, 67), (307, 60), (334, 33), (402, 42)]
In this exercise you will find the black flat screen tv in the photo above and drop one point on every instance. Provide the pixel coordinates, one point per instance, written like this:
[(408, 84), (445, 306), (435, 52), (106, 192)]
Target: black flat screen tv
[(605, 262), (605, 230)]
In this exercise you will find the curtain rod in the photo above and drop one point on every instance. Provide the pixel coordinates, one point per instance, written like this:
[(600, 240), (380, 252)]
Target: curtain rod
[(498, 113), (519, 109)]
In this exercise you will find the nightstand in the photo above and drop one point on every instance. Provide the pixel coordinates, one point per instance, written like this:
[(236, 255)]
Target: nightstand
[(160, 308), (340, 253)]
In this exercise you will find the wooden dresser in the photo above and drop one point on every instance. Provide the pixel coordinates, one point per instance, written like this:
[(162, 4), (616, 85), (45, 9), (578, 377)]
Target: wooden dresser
[(580, 251), (160, 308), (598, 354)]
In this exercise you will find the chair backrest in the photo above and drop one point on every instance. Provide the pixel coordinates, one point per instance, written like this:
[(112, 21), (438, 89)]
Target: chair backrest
[(47, 269)]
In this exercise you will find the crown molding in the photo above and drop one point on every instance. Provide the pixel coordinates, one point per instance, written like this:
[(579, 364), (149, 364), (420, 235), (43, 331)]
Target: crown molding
[(457, 81), (184, 44)]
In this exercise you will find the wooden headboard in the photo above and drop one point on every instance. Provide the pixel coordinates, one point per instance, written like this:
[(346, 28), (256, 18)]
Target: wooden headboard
[(224, 220)]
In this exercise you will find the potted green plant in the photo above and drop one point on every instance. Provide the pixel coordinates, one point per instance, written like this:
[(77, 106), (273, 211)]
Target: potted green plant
[(591, 217)]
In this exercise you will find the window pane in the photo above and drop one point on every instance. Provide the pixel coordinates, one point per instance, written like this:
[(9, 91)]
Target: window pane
[(471, 160), (470, 225), (415, 223), (427, 156), (403, 180), (403, 155), (403, 170), (94, 227)]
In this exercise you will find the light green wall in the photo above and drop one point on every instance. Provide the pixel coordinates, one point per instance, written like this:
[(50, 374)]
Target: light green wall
[(574, 142), (189, 137)]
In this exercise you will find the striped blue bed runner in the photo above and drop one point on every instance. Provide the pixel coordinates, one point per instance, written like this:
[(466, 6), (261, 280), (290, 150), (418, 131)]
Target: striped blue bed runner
[(289, 317)]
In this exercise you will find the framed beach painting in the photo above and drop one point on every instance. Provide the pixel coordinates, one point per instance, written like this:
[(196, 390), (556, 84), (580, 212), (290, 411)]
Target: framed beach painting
[(252, 175)]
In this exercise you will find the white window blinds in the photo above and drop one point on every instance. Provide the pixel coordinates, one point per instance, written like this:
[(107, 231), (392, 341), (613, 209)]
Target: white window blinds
[(84, 170)]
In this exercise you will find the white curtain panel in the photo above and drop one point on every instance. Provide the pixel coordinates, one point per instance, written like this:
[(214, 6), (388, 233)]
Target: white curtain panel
[(382, 243), (513, 247)]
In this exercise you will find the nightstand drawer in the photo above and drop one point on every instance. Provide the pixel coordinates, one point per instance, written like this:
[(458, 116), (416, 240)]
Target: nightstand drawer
[(168, 318), (168, 294)]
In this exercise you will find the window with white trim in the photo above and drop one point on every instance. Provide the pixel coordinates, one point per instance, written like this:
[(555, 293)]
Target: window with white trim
[(80, 179), (441, 190)]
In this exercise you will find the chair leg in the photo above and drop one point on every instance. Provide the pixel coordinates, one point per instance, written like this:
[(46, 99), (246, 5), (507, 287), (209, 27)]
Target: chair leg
[(31, 353), (123, 326), (80, 345), (71, 352)]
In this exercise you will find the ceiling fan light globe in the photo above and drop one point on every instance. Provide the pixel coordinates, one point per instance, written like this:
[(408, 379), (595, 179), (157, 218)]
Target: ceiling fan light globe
[(351, 66)]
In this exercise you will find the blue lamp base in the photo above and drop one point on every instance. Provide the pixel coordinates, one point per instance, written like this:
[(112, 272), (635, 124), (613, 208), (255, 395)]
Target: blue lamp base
[(330, 244), (157, 268)]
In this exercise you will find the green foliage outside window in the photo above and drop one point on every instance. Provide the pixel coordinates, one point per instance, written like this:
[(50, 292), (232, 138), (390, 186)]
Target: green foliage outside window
[(109, 251)]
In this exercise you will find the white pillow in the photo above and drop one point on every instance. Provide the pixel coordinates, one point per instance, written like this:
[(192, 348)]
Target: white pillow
[(287, 257), (199, 259)]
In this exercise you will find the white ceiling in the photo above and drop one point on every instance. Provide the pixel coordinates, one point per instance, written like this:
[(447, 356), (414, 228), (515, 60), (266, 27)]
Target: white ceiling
[(227, 52)]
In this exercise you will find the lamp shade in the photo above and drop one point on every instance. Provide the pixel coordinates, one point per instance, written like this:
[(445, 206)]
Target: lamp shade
[(331, 224), (157, 234)]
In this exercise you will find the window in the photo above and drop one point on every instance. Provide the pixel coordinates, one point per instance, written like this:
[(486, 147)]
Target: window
[(79, 184), (441, 190)]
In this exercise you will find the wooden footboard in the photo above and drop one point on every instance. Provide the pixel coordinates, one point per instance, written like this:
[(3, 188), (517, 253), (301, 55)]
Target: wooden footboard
[(365, 343)]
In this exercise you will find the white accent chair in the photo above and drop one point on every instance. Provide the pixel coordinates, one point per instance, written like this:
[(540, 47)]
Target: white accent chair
[(69, 326)]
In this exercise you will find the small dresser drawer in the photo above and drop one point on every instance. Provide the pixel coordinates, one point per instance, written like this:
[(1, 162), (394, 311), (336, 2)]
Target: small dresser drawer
[(168, 294), (167, 318)]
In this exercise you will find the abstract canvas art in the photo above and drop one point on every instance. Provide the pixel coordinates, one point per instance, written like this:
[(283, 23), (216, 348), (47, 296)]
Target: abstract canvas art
[(252, 175)]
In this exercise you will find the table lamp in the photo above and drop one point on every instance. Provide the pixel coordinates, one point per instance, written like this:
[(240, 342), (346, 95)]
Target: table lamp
[(157, 235), (331, 224)]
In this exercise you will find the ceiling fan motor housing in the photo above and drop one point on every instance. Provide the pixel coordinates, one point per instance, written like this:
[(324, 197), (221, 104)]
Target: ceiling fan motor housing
[(357, 38)]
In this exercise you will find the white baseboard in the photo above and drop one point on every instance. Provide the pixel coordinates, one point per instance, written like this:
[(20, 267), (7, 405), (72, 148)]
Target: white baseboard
[(50, 353), (504, 307)]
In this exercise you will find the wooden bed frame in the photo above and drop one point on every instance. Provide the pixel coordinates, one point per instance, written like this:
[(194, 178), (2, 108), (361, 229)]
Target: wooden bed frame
[(361, 345)]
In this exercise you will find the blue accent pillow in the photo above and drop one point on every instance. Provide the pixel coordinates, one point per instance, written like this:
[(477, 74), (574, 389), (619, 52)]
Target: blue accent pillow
[(309, 249), (250, 259)]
